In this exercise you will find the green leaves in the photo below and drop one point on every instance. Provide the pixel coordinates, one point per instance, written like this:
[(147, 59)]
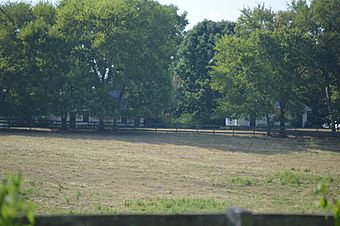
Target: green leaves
[(329, 200), (67, 58), (263, 64), (323, 202), (193, 62), (12, 205), (124, 47), (322, 188)]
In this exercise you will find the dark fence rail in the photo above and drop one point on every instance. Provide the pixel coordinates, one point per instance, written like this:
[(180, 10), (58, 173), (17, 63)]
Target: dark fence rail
[(232, 217), (162, 128)]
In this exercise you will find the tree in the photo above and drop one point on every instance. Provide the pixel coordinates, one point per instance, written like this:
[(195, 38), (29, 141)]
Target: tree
[(242, 75), (15, 80), (191, 70), (262, 66), (320, 21), (325, 16), (126, 47)]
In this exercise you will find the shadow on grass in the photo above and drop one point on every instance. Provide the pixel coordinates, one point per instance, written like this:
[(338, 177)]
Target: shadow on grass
[(246, 144)]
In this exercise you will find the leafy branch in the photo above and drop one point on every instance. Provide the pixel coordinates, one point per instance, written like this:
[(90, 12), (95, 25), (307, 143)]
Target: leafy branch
[(329, 200), (13, 206)]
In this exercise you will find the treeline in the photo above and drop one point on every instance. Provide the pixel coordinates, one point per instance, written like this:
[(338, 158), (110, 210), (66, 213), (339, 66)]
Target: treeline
[(108, 57), (266, 65), (133, 58)]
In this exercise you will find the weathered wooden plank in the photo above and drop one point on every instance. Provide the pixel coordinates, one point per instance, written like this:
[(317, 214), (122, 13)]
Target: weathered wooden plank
[(233, 217), (240, 217), (292, 220), (133, 220)]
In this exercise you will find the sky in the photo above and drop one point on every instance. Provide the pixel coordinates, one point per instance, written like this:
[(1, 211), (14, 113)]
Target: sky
[(215, 10)]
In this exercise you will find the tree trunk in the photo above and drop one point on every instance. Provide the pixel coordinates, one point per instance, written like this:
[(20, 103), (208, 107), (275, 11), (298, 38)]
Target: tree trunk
[(330, 109), (252, 120), (269, 133), (282, 121), (63, 121), (101, 125), (114, 124), (333, 126), (73, 117)]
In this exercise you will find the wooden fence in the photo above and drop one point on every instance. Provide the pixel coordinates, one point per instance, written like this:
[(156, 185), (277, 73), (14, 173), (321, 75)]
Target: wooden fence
[(232, 217), (161, 128)]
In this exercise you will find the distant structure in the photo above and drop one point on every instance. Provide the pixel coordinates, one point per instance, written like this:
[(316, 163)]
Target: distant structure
[(262, 121)]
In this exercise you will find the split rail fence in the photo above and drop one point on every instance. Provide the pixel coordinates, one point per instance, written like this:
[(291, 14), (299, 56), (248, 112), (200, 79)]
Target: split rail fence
[(161, 128)]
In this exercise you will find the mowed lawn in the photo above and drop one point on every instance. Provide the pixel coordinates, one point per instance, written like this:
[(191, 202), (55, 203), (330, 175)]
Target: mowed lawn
[(169, 173)]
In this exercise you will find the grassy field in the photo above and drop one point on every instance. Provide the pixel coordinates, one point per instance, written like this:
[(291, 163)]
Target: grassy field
[(169, 173)]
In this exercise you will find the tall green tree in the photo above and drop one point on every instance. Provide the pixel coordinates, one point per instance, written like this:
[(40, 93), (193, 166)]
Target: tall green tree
[(242, 75), (325, 20), (17, 97), (37, 51), (320, 20), (126, 47), (193, 61), (262, 67)]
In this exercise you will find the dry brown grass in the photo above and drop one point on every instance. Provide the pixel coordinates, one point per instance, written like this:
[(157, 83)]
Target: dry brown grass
[(87, 173)]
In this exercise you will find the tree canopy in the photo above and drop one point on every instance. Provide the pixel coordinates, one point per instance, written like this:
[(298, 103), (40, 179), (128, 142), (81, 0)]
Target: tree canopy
[(274, 62), (191, 70), (133, 58), (74, 56)]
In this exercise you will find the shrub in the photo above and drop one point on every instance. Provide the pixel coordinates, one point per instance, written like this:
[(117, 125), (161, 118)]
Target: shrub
[(289, 177), (13, 207), (244, 181), (329, 200)]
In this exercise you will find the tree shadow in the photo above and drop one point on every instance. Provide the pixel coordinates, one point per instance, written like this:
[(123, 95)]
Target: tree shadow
[(227, 143)]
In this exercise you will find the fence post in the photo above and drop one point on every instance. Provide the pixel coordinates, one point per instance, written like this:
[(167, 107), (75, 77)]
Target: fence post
[(239, 217)]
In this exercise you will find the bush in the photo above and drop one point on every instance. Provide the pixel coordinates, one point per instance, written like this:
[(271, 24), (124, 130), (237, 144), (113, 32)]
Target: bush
[(244, 181), (13, 207), (289, 177), (329, 200)]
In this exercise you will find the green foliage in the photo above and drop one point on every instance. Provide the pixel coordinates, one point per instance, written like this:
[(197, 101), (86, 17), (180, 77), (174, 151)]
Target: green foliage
[(330, 200), (184, 118), (325, 17), (78, 195), (13, 206), (242, 76), (193, 60), (67, 58), (125, 46), (289, 177), (15, 93), (164, 205), (284, 58), (244, 181), (298, 177), (258, 69)]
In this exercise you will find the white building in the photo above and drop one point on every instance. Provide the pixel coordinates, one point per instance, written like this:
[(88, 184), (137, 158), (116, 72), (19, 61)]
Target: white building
[(262, 122)]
